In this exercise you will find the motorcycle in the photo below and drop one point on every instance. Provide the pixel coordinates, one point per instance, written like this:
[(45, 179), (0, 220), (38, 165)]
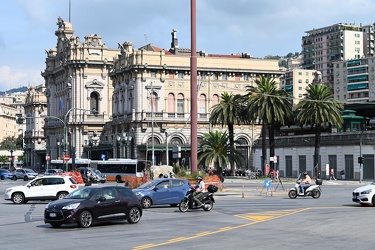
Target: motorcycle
[(313, 191), (206, 198)]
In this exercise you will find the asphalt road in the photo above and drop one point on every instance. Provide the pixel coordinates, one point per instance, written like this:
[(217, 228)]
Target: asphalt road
[(245, 216)]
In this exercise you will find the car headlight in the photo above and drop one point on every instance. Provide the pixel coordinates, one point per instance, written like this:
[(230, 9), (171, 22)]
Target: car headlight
[(8, 191), (71, 206), (368, 191), (138, 193)]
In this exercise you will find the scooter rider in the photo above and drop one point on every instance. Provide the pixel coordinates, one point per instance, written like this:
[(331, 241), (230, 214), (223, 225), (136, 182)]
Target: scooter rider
[(199, 189), (305, 183)]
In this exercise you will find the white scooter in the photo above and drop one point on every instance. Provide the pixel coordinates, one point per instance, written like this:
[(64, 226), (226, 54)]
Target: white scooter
[(314, 190)]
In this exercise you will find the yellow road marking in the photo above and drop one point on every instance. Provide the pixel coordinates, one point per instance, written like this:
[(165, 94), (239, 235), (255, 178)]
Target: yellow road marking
[(256, 217)]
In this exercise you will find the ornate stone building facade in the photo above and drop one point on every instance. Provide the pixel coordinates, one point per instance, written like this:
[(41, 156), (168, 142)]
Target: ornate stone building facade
[(78, 92), (151, 99), (35, 108)]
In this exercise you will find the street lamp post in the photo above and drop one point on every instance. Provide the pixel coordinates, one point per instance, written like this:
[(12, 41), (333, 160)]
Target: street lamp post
[(124, 138), (166, 148), (65, 121)]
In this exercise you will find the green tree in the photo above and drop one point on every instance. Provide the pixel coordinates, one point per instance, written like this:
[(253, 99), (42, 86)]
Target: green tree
[(319, 109), (215, 149), (10, 142), (227, 112), (271, 106)]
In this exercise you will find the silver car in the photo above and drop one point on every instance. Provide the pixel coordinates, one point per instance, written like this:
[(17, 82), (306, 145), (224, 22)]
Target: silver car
[(25, 174)]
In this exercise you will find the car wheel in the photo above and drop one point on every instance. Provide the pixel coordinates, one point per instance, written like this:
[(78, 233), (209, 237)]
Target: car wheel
[(2, 178), (118, 179), (14, 177), (61, 195), (373, 200), (55, 225), (292, 194), (102, 182), (25, 178), (18, 198), (85, 219), (146, 202), (134, 215)]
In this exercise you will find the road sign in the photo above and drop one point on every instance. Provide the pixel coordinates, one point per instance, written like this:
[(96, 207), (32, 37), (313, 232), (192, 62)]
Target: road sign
[(66, 158), (48, 157)]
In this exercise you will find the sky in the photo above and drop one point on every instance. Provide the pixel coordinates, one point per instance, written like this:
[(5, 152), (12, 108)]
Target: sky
[(260, 28)]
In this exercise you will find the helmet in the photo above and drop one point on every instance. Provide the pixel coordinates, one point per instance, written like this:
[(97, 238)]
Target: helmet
[(171, 173), (165, 176), (199, 178)]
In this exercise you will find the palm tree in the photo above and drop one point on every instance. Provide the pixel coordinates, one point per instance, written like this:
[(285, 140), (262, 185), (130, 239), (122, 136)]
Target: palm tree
[(269, 105), (319, 109), (227, 112), (215, 149)]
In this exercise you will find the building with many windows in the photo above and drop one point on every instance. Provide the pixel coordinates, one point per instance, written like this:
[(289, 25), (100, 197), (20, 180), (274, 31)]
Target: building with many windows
[(142, 97), (323, 46), (35, 108), (79, 93)]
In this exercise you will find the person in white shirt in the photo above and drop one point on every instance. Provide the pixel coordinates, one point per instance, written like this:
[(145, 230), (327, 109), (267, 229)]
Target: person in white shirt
[(199, 189)]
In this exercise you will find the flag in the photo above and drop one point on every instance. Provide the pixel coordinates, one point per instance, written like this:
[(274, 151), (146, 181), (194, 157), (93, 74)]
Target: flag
[(61, 104)]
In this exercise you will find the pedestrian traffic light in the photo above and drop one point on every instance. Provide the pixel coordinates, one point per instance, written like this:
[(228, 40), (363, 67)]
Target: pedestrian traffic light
[(360, 160)]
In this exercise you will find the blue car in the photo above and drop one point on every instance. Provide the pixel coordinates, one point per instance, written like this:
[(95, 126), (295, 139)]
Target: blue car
[(162, 191), (5, 174)]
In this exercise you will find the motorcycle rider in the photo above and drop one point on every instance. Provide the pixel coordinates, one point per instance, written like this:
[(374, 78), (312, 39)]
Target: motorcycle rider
[(199, 189), (305, 183)]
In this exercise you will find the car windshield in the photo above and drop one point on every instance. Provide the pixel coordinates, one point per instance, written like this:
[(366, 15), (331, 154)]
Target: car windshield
[(84, 193), (29, 171), (97, 172), (4, 171), (148, 184)]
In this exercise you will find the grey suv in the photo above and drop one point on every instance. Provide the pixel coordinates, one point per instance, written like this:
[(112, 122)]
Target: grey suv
[(96, 175), (25, 174)]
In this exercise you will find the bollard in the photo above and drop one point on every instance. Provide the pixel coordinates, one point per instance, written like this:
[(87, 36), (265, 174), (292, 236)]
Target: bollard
[(243, 195)]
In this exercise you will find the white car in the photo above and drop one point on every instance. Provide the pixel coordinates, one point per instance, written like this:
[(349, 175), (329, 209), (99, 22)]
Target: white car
[(365, 195), (42, 188)]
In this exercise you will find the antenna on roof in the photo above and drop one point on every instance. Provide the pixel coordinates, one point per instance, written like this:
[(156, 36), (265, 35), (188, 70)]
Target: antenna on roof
[(145, 38), (69, 9)]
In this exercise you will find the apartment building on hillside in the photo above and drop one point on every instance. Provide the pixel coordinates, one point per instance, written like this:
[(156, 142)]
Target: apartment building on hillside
[(323, 46)]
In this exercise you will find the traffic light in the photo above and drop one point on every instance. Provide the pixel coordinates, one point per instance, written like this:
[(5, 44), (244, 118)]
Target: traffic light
[(19, 120), (360, 160)]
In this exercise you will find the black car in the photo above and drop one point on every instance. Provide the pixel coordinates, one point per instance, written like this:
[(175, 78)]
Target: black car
[(94, 203)]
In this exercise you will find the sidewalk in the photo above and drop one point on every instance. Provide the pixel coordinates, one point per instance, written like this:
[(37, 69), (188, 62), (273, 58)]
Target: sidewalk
[(257, 186)]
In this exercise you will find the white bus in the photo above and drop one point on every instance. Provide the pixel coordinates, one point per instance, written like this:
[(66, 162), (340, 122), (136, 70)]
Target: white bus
[(117, 169), (60, 164)]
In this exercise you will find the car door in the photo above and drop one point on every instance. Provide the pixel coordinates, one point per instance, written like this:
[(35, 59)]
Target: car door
[(111, 205), (34, 190), (178, 190), (161, 193)]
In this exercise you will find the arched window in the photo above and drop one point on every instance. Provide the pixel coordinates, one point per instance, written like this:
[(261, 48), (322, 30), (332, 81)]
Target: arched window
[(180, 103), (154, 102), (202, 104), (171, 103), (176, 141), (94, 101), (215, 100)]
